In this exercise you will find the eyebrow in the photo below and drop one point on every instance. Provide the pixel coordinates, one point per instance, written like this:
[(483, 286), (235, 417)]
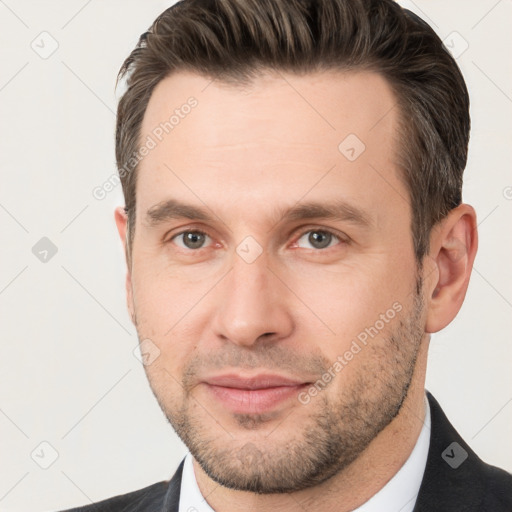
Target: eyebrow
[(338, 210), (174, 209)]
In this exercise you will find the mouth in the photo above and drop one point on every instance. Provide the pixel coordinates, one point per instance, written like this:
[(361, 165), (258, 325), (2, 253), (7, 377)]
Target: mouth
[(253, 395)]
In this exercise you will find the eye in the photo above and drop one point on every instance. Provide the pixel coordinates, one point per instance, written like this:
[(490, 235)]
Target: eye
[(190, 239), (318, 239)]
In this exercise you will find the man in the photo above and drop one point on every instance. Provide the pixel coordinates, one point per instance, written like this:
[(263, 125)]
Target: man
[(294, 232)]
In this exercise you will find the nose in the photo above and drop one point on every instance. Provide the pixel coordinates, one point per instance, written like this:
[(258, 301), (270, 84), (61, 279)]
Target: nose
[(252, 304)]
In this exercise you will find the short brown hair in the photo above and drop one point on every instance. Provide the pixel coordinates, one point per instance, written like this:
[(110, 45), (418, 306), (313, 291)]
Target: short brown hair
[(234, 40)]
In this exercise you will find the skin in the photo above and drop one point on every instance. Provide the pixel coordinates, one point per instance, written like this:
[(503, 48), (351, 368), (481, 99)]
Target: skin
[(245, 155)]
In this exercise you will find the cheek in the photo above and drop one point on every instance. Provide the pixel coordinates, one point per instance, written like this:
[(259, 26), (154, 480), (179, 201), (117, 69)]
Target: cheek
[(162, 295), (171, 306), (346, 299)]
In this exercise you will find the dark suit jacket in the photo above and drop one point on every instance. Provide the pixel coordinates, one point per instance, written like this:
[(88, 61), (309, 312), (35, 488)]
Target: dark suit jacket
[(455, 479)]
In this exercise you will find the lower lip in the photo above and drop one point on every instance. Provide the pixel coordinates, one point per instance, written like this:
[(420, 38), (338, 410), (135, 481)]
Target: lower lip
[(252, 401)]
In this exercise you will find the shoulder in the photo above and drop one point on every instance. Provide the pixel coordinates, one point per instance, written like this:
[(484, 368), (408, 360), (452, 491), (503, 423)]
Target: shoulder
[(147, 499), (163, 495), (497, 489), (455, 477)]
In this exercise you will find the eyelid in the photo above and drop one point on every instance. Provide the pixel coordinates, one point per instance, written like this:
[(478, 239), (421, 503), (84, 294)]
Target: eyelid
[(194, 232), (338, 234), (187, 229), (297, 234)]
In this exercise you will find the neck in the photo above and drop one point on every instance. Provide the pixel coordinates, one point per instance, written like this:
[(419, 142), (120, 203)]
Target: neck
[(352, 487)]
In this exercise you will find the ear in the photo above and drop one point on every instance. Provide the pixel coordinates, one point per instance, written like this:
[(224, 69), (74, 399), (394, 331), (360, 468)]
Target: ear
[(121, 219), (453, 246)]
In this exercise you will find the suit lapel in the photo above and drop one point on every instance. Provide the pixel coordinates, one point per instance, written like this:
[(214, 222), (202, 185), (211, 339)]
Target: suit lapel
[(453, 475), (172, 496)]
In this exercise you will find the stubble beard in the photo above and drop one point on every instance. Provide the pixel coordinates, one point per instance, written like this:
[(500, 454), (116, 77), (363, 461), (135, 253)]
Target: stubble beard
[(335, 433)]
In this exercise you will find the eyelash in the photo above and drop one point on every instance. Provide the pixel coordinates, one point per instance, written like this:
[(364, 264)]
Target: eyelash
[(342, 238)]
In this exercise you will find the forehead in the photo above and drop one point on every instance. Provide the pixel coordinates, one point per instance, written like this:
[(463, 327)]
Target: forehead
[(280, 132), (327, 104)]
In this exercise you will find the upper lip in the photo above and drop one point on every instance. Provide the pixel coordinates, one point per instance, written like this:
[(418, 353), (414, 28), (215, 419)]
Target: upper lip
[(260, 381)]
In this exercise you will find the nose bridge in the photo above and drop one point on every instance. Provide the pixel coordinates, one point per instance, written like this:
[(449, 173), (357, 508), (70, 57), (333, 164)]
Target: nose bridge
[(252, 301)]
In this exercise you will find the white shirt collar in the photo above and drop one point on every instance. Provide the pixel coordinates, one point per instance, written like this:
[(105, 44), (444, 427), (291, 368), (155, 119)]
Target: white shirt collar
[(398, 494)]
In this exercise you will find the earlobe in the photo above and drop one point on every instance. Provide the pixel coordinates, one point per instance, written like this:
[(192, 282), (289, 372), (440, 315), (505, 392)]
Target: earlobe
[(453, 249)]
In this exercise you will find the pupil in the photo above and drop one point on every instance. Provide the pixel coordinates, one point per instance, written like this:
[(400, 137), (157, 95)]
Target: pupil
[(320, 239), (193, 240)]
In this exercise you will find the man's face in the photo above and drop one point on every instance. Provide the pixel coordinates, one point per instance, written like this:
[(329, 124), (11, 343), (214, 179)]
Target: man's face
[(246, 290)]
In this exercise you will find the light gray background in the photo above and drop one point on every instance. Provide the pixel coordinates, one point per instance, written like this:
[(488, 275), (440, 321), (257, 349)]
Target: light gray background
[(68, 374)]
